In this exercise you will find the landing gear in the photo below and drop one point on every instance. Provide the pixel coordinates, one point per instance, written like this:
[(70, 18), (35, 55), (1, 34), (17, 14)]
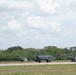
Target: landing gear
[(48, 61), (39, 61)]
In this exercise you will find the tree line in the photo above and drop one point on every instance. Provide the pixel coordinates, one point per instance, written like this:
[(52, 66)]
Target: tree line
[(16, 52)]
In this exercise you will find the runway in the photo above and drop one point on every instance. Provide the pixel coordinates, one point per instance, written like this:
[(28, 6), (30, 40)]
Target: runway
[(35, 63)]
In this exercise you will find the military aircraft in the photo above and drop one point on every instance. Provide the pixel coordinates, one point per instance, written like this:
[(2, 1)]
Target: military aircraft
[(73, 59), (47, 58)]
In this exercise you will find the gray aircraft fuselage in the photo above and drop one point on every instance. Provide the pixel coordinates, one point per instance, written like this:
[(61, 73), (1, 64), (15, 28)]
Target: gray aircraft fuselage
[(47, 58)]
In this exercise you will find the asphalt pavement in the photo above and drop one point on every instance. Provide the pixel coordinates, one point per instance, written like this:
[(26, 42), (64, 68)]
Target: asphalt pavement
[(35, 63)]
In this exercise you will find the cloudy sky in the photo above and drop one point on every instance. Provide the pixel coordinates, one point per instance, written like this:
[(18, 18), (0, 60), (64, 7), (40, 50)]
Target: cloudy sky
[(37, 23)]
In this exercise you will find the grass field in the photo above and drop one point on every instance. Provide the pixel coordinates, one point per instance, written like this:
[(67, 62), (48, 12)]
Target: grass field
[(39, 70)]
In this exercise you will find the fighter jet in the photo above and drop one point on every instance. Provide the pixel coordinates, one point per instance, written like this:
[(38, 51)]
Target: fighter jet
[(73, 59), (47, 58)]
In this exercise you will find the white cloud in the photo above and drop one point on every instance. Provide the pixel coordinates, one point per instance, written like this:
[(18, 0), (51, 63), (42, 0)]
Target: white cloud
[(51, 6), (14, 25), (65, 34), (40, 22), (54, 20), (48, 6), (75, 1), (6, 16), (19, 5), (16, 4), (36, 22), (74, 31), (2, 2), (68, 2), (55, 25), (64, 2)]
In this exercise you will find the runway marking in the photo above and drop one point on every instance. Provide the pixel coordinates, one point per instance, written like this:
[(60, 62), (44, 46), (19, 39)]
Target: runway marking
[(22, 64)]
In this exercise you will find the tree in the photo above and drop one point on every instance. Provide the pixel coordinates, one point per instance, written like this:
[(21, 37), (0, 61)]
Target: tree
[(15, 48)]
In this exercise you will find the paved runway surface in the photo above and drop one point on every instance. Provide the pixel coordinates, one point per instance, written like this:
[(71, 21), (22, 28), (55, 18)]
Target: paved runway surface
[(36, 63)]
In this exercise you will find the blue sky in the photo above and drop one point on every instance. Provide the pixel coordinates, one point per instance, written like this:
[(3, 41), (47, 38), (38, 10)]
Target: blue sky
[(37, 23)]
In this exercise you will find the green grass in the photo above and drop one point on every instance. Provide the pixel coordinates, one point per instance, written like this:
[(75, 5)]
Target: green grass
[(39, 70)]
